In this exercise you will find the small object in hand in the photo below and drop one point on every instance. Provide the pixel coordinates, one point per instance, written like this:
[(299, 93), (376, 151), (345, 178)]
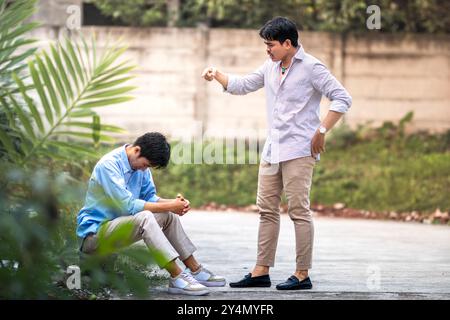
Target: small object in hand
[(179, 195)]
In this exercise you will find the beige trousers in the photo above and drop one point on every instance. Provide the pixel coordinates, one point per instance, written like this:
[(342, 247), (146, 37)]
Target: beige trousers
[(160, 231), (294, 177)]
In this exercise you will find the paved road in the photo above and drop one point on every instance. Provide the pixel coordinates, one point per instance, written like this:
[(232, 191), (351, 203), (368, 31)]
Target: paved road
[(353, 259)]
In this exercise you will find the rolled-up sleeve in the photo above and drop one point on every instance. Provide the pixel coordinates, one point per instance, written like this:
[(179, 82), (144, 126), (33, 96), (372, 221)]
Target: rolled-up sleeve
[(148, 190), (240, 85), (329, 86), (114, 187)]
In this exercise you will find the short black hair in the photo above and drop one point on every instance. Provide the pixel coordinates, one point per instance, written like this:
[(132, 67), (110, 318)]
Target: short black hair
[(280, 29), (155, 148)]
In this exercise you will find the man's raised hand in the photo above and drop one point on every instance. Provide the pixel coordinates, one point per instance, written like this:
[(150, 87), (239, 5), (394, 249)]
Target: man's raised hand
[(209, 73)]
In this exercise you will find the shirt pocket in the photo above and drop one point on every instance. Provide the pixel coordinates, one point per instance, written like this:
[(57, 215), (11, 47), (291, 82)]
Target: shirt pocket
[(299, 90)]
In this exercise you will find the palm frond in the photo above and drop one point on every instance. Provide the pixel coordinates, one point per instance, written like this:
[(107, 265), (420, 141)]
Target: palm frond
[(70, 80), (12, 39)]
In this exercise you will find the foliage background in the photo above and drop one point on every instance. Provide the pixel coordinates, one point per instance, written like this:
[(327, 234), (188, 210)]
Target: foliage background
[(44, 167), (417, 16)]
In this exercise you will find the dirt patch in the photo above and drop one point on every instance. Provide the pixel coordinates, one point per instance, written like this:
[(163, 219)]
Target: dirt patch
[(340, 210)]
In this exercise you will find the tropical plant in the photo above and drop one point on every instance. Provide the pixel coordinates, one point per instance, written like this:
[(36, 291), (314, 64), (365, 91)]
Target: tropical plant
[(70, 82), (38, 243), (13, 39), (50, 98), (13, 51)]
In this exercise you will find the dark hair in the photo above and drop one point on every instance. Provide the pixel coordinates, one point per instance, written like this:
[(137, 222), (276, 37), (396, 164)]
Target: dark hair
[(155, 148), (280, 29)]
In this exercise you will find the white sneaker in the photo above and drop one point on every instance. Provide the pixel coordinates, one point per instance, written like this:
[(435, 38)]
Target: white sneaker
[(207, 278), (184, 283)]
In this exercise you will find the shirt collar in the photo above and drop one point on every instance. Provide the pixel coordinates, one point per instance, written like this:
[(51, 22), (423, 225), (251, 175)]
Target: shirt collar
[(124, 159), (300, 53)]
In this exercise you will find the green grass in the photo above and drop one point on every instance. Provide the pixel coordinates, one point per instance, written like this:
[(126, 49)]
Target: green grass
[(380, 170), (373, 177)]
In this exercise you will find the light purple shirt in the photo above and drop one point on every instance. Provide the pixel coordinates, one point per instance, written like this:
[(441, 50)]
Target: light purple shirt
[(293, 104)]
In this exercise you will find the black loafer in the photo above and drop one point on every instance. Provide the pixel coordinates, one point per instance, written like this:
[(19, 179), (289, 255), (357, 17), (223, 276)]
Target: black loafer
[(294, 284), (248, 281)]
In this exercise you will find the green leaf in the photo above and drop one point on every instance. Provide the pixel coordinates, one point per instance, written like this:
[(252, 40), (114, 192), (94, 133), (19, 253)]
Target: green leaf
[(117, 72), (108, 84), (14, 90), (86, 52), (105, 102), (110, 93), (73, 148), (20, 30), (17, 69), (7, 143), (15, 45), (109, 59), (82, 113), (85, 135), (110, 242), (96, 128), (56, 78), (121, 68), (85, 66), (25, 144), (40, 89), (75, 61), (88, 125), (23, 119), (17, 59), (8, 113), (30, 104), (49, 86), (14, 15), (94, 53), (61, 70), (69, 66)]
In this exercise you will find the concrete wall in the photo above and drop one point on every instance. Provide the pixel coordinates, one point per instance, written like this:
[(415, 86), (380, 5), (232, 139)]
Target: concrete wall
[(387, 75)]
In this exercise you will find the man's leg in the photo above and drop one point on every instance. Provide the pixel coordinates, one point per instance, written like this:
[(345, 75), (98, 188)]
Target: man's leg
[(268, 202), (297, 177), (173, 229), (146, 227), (176, 236)]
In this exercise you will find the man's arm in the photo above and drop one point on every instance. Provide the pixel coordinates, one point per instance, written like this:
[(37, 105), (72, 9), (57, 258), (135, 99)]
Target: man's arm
[(187, 203), (329, 86), (156, 204), (235, 84), (177, 206), (111, 181), (318, 140), (212, 73)]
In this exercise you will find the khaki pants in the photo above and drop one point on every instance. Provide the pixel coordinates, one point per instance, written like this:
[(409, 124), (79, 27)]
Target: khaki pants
[(160, 231), (294, 177)]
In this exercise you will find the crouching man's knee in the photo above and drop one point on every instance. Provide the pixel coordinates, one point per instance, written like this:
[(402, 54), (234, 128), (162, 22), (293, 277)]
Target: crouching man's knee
[(145, 218)]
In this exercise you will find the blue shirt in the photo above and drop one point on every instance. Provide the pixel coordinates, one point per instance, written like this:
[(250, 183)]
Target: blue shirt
[(114, 189), (292, 102)]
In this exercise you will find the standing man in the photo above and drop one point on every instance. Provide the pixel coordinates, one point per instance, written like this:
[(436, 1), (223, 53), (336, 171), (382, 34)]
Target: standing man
[(295, 82), (121, 191)]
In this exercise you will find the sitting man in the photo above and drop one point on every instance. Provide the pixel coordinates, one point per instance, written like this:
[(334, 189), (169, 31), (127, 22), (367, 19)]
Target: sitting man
[(121, 191)]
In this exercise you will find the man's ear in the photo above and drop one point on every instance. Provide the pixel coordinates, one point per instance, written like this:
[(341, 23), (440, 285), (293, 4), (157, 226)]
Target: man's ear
[(287, 43), (137, 150)]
